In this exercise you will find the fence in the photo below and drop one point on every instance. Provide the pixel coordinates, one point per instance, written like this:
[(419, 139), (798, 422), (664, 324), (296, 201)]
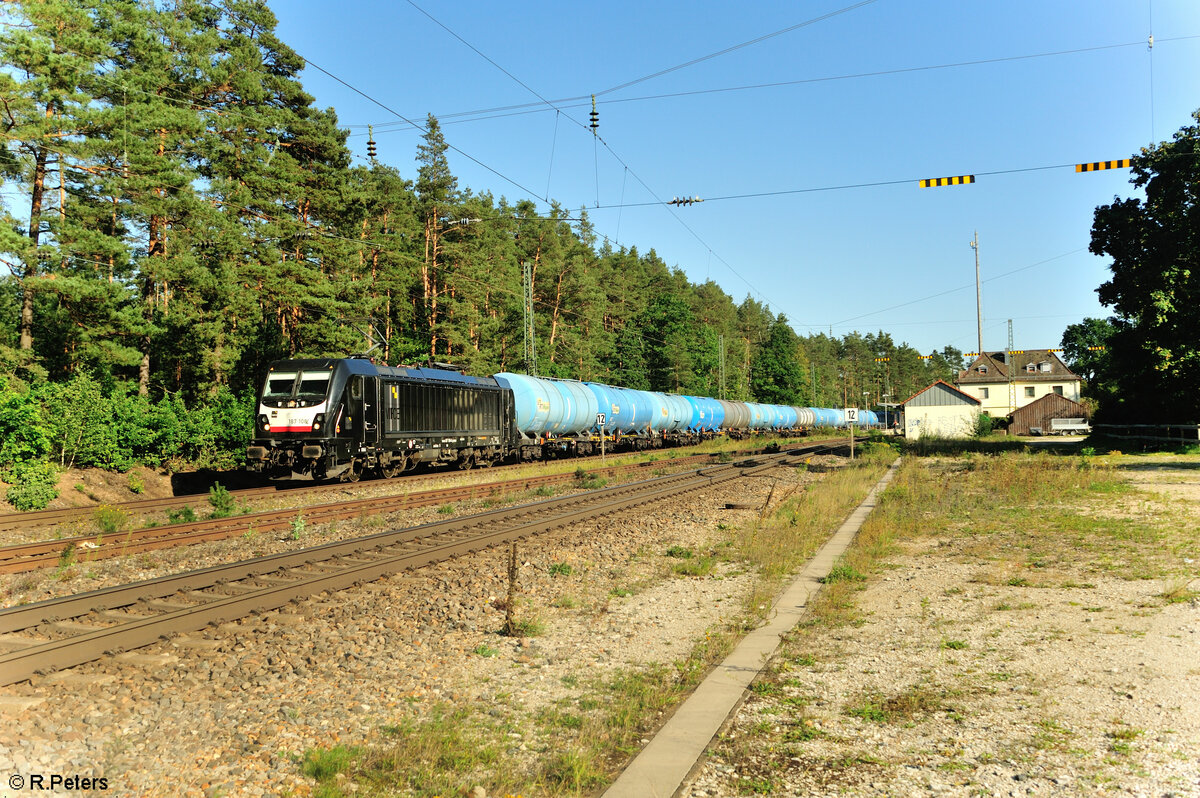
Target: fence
[(1182, 434)]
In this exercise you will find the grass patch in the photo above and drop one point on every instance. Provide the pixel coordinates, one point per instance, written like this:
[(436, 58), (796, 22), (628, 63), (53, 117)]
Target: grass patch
[(701, 566)]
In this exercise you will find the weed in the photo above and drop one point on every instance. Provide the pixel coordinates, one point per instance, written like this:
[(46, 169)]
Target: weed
[(702, 566), (802, 731), (560, 569), (110, 520), (679, 552), (620, 592), (298, 526), (446, 509), (183, 515), (1178, 591), (67, 557), (222, 501), (956, 645), (566, 602), (844, 573), (484, 650), (324, 764), (134, 481), (526, 627)]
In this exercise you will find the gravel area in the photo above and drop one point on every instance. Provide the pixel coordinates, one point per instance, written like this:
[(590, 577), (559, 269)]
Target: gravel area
[(964, 679), (230, 710)]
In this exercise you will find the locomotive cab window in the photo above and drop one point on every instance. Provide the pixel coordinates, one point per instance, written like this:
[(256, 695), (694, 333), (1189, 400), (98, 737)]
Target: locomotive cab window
[(313, 383), (279, 385)]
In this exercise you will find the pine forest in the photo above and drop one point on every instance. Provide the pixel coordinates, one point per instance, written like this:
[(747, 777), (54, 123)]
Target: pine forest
[(177, 214)]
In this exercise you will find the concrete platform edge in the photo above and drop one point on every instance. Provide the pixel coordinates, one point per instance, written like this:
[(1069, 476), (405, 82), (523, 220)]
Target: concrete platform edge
[(660, 769)]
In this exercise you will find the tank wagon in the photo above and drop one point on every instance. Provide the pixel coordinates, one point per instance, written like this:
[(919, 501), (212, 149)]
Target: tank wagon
[(348, 417)]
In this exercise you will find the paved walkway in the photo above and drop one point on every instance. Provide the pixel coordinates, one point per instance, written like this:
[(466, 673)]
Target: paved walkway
[(659, 770)]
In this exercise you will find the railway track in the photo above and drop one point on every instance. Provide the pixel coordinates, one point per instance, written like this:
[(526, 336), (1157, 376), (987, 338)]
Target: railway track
[(142, 507), (70, 630), (81, 549)]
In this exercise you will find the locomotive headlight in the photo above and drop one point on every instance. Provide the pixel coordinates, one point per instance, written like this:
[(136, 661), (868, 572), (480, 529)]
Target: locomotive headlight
[(264, 423), (318, 421)]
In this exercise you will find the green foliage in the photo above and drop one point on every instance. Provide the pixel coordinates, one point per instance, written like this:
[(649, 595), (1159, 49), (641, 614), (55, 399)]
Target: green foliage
[(239, 237), (222, 501), (22, 436), (1152, 360), (982, 426), (33, 484), (110, 520), (324, 764), (184, 515), (134, 481)]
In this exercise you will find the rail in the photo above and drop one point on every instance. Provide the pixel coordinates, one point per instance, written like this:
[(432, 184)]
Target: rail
[(71, 630)]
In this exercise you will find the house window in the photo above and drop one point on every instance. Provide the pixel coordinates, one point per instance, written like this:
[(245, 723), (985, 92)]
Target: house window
[(1030, 368), (1044, 367), (983, 393), (982, 369), (1057, 389), (1029, 392)]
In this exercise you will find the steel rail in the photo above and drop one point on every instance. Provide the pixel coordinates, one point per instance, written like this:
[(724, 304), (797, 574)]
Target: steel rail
[(21, 557), (50, 518), (352, 562)]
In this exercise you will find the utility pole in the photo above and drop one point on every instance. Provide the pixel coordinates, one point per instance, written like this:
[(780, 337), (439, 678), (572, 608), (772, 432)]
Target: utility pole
[(721, 344), (1008, 362), (978, 295), (530, 345)]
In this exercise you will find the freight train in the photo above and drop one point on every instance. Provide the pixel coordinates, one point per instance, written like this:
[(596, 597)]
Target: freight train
[(345, 418)]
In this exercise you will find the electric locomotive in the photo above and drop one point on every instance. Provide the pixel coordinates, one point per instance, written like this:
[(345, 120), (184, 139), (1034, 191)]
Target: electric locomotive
[(341, 418)]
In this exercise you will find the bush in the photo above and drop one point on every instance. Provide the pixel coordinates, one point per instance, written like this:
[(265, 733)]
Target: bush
[(33, 485), (222, 501), (22, 436), (983, 425)]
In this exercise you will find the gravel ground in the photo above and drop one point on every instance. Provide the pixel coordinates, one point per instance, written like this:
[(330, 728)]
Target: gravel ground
[(995, 687), (229, 711)]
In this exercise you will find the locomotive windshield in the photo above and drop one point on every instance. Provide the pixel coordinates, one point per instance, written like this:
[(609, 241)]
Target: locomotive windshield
[(296, 388)]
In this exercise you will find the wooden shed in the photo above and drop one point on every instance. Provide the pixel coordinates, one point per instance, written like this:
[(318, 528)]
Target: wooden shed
[(1039, 413), (940, 410)]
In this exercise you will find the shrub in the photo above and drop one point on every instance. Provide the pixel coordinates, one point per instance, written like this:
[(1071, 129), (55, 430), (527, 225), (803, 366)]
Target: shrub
[(983, 426), (22, 436), (134, 480), (222, 501), (33, 485), (184, 515), (110, 520)]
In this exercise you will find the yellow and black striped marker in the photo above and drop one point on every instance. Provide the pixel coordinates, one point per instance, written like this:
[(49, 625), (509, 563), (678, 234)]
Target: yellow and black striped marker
[(1098, 165), (934, 182)]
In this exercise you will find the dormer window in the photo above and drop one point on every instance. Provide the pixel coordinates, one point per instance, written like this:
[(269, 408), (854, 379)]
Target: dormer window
[(1030, 368), (982, 369), (1044, 367)]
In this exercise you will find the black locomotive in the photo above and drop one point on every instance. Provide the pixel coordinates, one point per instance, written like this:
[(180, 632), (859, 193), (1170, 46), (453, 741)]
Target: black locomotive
[(340, 418)]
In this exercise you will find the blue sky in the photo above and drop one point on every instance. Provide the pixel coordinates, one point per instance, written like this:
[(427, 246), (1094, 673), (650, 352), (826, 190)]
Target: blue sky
[(813, 241)]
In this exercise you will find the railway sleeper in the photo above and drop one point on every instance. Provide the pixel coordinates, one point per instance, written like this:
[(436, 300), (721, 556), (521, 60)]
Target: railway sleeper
[(122, 615), (167, 606)]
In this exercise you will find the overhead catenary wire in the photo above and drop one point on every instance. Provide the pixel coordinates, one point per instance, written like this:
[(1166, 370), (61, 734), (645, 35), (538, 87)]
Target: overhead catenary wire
[(581, 100), (598, 139)]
